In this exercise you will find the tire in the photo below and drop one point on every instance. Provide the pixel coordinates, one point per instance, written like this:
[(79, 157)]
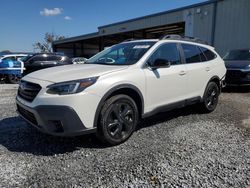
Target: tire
[(118, 120), (13, 79), (210, 98)]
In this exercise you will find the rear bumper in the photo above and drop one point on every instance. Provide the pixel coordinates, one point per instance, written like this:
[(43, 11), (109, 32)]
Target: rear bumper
[(54, 120)]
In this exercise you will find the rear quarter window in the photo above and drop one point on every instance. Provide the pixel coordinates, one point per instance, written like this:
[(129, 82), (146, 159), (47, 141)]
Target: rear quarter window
[(208, 53)]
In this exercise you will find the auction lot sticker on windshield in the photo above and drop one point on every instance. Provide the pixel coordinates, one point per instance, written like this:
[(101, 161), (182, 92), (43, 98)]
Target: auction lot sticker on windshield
[(141, 47)]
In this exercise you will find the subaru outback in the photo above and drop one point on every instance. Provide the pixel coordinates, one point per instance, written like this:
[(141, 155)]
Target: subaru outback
[(114, 89)]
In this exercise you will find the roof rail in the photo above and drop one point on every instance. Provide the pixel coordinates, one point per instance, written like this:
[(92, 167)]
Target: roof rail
[(171, 37), (184, 38), (127, 40)]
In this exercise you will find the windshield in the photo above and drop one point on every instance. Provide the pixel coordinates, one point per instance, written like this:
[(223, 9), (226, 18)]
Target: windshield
[(122, 54), (238, 55)]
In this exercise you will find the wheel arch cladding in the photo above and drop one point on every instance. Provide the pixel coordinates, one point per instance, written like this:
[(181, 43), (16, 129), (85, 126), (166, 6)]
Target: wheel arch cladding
[(126, 89), (216, 80)]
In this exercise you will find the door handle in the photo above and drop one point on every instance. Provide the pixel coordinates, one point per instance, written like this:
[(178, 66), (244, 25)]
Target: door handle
[(182, 73), (207, 69)]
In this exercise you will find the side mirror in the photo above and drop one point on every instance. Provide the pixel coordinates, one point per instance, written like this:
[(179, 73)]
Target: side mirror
[(160, 63)]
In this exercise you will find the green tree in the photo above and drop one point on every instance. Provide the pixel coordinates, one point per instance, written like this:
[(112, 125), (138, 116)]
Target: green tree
[(46, 45)]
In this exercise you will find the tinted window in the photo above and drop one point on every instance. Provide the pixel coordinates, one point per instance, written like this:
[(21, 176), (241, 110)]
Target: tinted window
[(12, 58), (27, 58), (21, 58), (192, 53), (209, 55), (37, 58), (168, 52), (238, 55), (54, 58), (202, 55)]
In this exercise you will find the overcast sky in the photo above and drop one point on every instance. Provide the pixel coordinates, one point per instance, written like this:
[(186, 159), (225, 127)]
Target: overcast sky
[(25, 22)]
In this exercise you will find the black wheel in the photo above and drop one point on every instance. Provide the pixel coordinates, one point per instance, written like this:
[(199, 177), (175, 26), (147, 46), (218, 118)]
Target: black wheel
[(118, 119), (210, 98), (13, 79)]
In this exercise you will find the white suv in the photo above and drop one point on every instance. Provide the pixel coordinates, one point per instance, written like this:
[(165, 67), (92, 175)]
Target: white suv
[(120, 85)]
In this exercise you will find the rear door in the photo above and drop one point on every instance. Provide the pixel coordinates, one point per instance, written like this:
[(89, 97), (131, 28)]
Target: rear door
[(197, 70)]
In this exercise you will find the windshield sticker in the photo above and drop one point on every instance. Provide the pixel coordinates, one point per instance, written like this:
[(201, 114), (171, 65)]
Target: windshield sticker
[(141, 47)]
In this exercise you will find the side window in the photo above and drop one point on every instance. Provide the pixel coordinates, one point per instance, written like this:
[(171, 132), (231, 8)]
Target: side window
[(54, 58), (37, 58), (168, 52), (202, 55), (12, 58), (192, 53), (22, 58), (209, 55)]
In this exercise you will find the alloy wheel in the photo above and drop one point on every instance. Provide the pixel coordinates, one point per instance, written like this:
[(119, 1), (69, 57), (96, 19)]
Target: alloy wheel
[(120, 120), (212, 98)]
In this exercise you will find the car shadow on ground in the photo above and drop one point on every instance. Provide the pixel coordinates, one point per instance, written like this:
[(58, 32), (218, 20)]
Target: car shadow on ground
[(17, 136), (236, 89)]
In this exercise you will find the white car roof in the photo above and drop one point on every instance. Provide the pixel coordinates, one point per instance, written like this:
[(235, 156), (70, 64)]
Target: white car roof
[(11, 55), (172, 40)]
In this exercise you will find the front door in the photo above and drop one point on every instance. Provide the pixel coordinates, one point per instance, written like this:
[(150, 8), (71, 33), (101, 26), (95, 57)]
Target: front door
[(165, 85)]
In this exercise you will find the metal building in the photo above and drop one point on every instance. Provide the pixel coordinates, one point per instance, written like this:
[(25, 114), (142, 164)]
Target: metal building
[(224, 24)]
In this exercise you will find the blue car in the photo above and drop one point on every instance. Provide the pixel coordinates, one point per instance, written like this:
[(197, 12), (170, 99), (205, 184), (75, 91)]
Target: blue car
[(11, 69)]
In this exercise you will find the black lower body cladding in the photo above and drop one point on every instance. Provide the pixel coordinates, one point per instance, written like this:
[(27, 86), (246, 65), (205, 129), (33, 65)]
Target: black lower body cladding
[(54, 120)]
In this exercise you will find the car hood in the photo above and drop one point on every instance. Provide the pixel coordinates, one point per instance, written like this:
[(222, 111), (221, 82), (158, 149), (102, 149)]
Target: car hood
[(236, 64), (73, 72)]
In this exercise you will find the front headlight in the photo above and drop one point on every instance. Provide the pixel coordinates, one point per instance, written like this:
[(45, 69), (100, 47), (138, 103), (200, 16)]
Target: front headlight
[(71, 87)]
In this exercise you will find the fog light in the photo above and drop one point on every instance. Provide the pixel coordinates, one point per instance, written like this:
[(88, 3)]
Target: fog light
[(56, 126)]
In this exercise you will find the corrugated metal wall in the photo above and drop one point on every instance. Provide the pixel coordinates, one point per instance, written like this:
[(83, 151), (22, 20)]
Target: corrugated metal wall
[(230, 28), (198, 22), (203, 20), (232, 25), (148, 22)]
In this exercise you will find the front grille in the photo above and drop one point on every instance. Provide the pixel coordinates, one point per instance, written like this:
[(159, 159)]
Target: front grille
[(28, 91), (27, 114)]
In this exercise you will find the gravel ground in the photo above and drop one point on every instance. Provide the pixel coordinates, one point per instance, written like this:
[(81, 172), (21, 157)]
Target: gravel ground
[(180, 148)]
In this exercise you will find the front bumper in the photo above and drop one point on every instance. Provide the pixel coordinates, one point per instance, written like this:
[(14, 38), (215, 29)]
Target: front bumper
[(237, 77), (54, 120)]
